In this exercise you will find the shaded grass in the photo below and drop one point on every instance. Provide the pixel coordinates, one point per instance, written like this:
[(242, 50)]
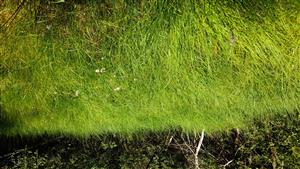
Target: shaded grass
[(191, 65)]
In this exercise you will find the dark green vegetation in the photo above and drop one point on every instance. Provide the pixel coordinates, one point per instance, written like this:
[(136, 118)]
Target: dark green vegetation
[(269, 143), (92, 67)]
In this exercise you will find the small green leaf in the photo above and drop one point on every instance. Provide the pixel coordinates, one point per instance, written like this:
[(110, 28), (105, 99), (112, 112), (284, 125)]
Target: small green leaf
[(296, 151)]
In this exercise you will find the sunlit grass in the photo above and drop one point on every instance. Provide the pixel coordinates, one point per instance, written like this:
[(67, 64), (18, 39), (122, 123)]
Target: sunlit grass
[(133, 67)]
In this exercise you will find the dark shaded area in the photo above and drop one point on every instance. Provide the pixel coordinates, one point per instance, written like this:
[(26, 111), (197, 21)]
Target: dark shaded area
[(5, 122), (269, 143), (48, 11), (107, 151), (257, 10)]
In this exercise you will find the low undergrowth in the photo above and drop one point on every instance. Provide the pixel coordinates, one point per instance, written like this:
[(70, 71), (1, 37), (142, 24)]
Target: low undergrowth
[(268, 143)]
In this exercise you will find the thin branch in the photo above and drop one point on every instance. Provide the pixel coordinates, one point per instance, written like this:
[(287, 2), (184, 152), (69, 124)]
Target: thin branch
[(189, 147), (198, 149), (170, 140), (14, 15), (188, 138), (224, 166), (200, 142)]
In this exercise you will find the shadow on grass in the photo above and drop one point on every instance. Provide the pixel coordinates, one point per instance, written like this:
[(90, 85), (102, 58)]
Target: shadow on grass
[(5, 122), (258, 10), (5, 125), (253, 10)]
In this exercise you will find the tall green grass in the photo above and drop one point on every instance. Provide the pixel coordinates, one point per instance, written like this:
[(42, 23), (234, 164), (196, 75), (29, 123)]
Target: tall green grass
[(161, 64)]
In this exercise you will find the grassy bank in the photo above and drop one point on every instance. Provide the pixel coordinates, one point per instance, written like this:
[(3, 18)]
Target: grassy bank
[(124, 66)]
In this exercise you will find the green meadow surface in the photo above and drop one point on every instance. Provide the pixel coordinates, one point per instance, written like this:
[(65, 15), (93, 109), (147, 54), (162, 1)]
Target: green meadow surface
[(127, 66)]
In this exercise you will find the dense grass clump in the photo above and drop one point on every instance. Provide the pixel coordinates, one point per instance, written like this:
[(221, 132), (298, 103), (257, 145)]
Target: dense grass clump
[(125, 66)]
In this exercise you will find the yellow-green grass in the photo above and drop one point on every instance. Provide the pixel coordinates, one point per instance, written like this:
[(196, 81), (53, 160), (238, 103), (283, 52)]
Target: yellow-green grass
[(170, 64)]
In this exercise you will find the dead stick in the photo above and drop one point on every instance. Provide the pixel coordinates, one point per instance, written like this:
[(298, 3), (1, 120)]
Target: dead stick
[(198, 149)]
